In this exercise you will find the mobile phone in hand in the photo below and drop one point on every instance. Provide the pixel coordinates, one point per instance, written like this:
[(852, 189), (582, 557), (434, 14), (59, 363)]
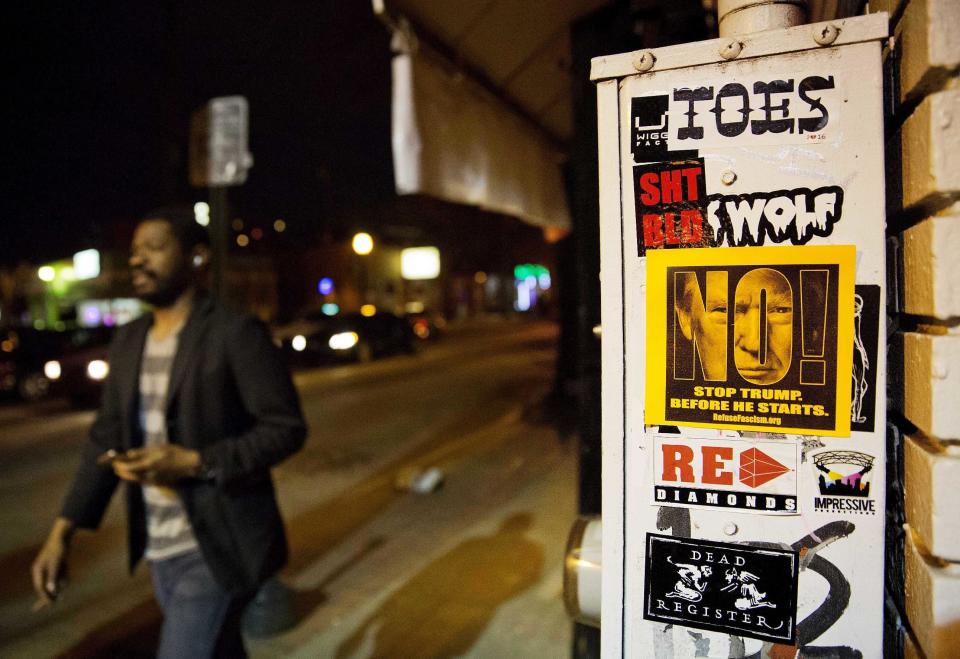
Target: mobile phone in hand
[(53, 587), (111, 456)]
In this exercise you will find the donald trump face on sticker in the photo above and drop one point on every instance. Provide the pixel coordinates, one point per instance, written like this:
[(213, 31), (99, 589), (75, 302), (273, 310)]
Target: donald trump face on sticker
[(763, 326), (703, 320)]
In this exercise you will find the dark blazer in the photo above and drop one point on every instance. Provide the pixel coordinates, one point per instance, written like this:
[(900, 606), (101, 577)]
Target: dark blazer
[(231, 398)]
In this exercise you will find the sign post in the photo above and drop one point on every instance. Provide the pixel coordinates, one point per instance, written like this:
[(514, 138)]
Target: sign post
[(219, 158), (742, 251)]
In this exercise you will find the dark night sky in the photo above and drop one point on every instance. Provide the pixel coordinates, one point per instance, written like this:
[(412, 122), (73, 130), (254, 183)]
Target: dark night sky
[(100, 96)]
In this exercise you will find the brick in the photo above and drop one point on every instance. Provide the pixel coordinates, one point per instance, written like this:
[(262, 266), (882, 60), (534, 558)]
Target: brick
[(929, 48), (931, 270), (930, 143), (931, 476), (931, 380), (932, 600)]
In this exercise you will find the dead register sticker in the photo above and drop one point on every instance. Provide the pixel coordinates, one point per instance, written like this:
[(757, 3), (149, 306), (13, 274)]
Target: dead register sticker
[(718, 586), (751, 338)]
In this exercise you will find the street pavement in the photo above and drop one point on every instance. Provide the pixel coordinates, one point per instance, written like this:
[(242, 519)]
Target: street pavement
[(472, 569)]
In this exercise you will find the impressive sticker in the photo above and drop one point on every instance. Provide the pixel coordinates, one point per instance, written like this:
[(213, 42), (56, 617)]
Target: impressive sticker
[(843, 480), (751, 476), (751, 339), (724, 587), (866, 332)]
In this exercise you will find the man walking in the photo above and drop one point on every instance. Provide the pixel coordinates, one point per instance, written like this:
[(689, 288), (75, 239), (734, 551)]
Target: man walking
[(196, 409)]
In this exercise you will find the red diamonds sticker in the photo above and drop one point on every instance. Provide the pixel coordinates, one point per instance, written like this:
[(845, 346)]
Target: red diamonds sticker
[(757, 468)]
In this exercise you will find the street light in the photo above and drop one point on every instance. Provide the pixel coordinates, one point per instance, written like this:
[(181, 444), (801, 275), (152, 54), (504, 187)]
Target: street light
[(362, 243)]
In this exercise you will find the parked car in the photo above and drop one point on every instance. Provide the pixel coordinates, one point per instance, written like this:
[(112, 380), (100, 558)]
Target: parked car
[(80, 370), (426, 326), (23, 354), (305, 324), (350, 337)]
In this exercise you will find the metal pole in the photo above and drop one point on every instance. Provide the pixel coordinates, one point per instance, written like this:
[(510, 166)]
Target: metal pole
[(745, 16), (219, 236)]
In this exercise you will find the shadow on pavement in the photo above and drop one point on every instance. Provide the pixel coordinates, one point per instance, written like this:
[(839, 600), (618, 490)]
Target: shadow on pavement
[(133, 635), (305, 601), (444, 608)]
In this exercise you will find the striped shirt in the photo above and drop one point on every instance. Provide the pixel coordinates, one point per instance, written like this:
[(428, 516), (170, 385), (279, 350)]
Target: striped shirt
[(168, 529)]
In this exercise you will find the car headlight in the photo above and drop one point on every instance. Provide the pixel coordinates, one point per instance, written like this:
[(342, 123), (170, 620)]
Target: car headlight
[(97, 369), (52, 370), (299, 343), (343, 340)]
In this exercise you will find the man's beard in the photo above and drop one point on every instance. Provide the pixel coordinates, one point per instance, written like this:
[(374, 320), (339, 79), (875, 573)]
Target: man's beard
[(167, 291)]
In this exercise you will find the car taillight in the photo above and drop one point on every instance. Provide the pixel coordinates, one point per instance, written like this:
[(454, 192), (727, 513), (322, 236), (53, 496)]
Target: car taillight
[(421, 328)]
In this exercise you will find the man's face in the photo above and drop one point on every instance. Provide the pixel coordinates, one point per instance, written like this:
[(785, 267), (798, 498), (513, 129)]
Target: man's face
[(159, 266), (763, 361), (706, 325)]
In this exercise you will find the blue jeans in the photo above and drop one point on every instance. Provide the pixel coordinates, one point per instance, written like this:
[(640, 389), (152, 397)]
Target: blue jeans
[(200, 618)]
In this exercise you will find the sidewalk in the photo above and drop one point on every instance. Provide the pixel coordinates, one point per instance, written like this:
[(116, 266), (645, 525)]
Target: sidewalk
[(474, 569)]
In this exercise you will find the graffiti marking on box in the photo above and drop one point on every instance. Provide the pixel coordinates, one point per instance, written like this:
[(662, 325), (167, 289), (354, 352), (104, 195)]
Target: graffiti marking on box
[(720, 586), (749, 476)]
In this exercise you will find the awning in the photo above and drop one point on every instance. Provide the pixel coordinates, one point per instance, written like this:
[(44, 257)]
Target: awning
[(482, 99), (453, 141), (482, 102)]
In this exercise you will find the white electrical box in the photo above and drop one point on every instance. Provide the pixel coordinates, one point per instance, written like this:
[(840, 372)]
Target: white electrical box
[(744, 408)]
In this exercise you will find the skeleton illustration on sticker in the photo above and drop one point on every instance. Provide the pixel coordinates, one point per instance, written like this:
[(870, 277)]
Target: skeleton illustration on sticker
[(866, 327), (750, 597), (690, 586), (861, 364)]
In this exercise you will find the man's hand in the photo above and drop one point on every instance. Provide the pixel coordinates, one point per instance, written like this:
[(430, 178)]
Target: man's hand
[(50, 566), (157, 465)]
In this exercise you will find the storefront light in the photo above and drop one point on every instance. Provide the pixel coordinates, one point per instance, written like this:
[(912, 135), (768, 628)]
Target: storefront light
[(418, 263), (86, 264)]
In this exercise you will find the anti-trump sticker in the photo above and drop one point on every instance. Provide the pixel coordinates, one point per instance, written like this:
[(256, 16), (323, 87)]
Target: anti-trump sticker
[(754, 338), (717, 586), (743, 475)]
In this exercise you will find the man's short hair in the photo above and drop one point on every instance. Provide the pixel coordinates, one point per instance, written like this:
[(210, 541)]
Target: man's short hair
[(185, 228)]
